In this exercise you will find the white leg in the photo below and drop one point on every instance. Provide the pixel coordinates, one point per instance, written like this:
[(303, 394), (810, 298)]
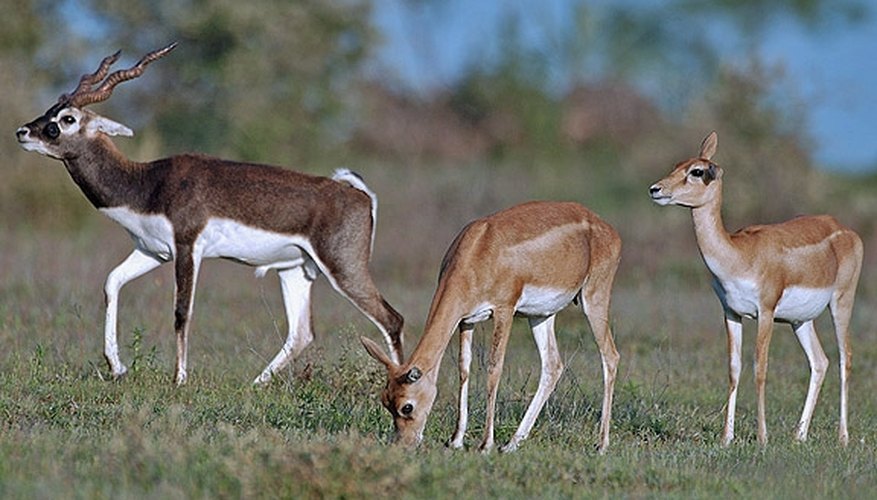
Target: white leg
[(295, 284), (806, 333), (456, 441), (734, 328), (135, 265), (552, 367)]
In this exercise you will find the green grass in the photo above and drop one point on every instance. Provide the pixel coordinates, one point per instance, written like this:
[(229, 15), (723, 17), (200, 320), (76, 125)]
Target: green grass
[(319, 430)]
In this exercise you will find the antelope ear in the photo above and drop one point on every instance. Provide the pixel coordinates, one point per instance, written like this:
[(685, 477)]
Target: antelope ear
[(709, 145), (100, 124), (376, 352)]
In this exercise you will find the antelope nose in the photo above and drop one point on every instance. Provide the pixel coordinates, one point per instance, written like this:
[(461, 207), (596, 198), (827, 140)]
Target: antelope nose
[(655, 189), (21, 133)]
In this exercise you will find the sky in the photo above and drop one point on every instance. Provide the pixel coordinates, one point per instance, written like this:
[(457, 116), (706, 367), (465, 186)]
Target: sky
[(833, 72)]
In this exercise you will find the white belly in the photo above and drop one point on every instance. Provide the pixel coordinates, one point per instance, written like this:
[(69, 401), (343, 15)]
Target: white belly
[(797, 304), (538, 301), (228, 239), (802, 304), (222, 238)]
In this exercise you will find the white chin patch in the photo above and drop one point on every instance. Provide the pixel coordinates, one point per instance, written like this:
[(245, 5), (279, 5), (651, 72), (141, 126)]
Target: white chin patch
[(663, 200), (37, 147)]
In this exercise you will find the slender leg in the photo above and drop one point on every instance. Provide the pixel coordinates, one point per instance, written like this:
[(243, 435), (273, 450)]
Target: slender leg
[(187, 266), (135, 265), (734, 329), (456, 440), (806, 333), (502, 326), (552, 367), (762, 345), (595, 304), (841, 312), (295, 284), (355, 283)]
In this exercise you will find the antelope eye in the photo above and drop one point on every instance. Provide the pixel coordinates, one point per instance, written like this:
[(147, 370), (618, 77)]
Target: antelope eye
[(68, 120), (697, 172), (407, 409), (52, 130)]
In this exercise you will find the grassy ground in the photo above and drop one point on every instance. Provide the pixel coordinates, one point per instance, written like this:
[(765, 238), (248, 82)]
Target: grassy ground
[(319, 431)]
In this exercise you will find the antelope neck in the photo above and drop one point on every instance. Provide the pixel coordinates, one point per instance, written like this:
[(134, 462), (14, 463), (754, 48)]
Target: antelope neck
[(107, 178), (713, 240)]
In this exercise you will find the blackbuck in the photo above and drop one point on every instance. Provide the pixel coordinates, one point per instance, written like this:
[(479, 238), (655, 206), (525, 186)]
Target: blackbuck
[(531, 260), (190, 207), (787, 272)]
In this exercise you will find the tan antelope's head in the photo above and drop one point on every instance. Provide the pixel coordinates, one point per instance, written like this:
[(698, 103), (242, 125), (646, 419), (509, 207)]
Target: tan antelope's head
[(64, 128), (693, 182), (408, 396)]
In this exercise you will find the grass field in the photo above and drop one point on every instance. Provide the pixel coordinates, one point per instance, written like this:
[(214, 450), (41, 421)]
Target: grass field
[(319, 430)]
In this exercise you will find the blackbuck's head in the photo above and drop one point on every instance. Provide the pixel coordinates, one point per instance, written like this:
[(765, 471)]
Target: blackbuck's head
[(693, 182), (408, 396), (61, 131)]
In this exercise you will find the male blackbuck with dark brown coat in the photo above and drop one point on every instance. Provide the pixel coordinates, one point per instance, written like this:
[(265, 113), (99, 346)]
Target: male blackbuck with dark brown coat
[(530, 260), (788, 272), (191, 207)]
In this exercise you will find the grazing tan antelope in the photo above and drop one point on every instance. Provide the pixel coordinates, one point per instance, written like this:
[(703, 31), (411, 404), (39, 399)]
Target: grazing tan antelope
[(787, 272), (531, 260), (190, 207)]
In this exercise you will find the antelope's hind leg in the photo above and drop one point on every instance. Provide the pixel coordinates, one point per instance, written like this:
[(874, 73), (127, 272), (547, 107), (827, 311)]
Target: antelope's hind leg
[(551, 369), (295, 285)]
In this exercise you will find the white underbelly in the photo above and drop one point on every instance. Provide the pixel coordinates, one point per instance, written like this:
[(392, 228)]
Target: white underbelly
[(220, 238), (539, 301), (797, 304), (802, 304), (228, 239)]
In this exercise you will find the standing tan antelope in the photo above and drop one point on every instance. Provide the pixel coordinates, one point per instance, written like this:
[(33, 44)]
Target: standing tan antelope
[(787, 272), (190, 207), (532, 260)]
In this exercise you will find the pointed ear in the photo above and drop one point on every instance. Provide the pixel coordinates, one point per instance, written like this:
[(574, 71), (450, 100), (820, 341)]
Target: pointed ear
[(100, 124), (376, 352), (709, 145)]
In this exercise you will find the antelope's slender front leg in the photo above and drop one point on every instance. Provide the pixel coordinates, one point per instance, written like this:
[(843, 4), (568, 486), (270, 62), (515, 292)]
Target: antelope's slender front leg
[(502, 326), (187, 266), (734, 329), (465, 361), (762, 346), (135, 265)]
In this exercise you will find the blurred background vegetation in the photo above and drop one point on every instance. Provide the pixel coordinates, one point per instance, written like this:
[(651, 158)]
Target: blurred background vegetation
[(297, 84)]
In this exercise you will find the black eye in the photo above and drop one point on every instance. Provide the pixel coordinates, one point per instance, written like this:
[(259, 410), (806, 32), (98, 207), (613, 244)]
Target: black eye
[(696, 172), (52, 130), (407, 409), (68, 120)]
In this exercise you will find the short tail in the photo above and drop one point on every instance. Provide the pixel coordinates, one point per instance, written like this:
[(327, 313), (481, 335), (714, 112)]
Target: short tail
[(354, 180)]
